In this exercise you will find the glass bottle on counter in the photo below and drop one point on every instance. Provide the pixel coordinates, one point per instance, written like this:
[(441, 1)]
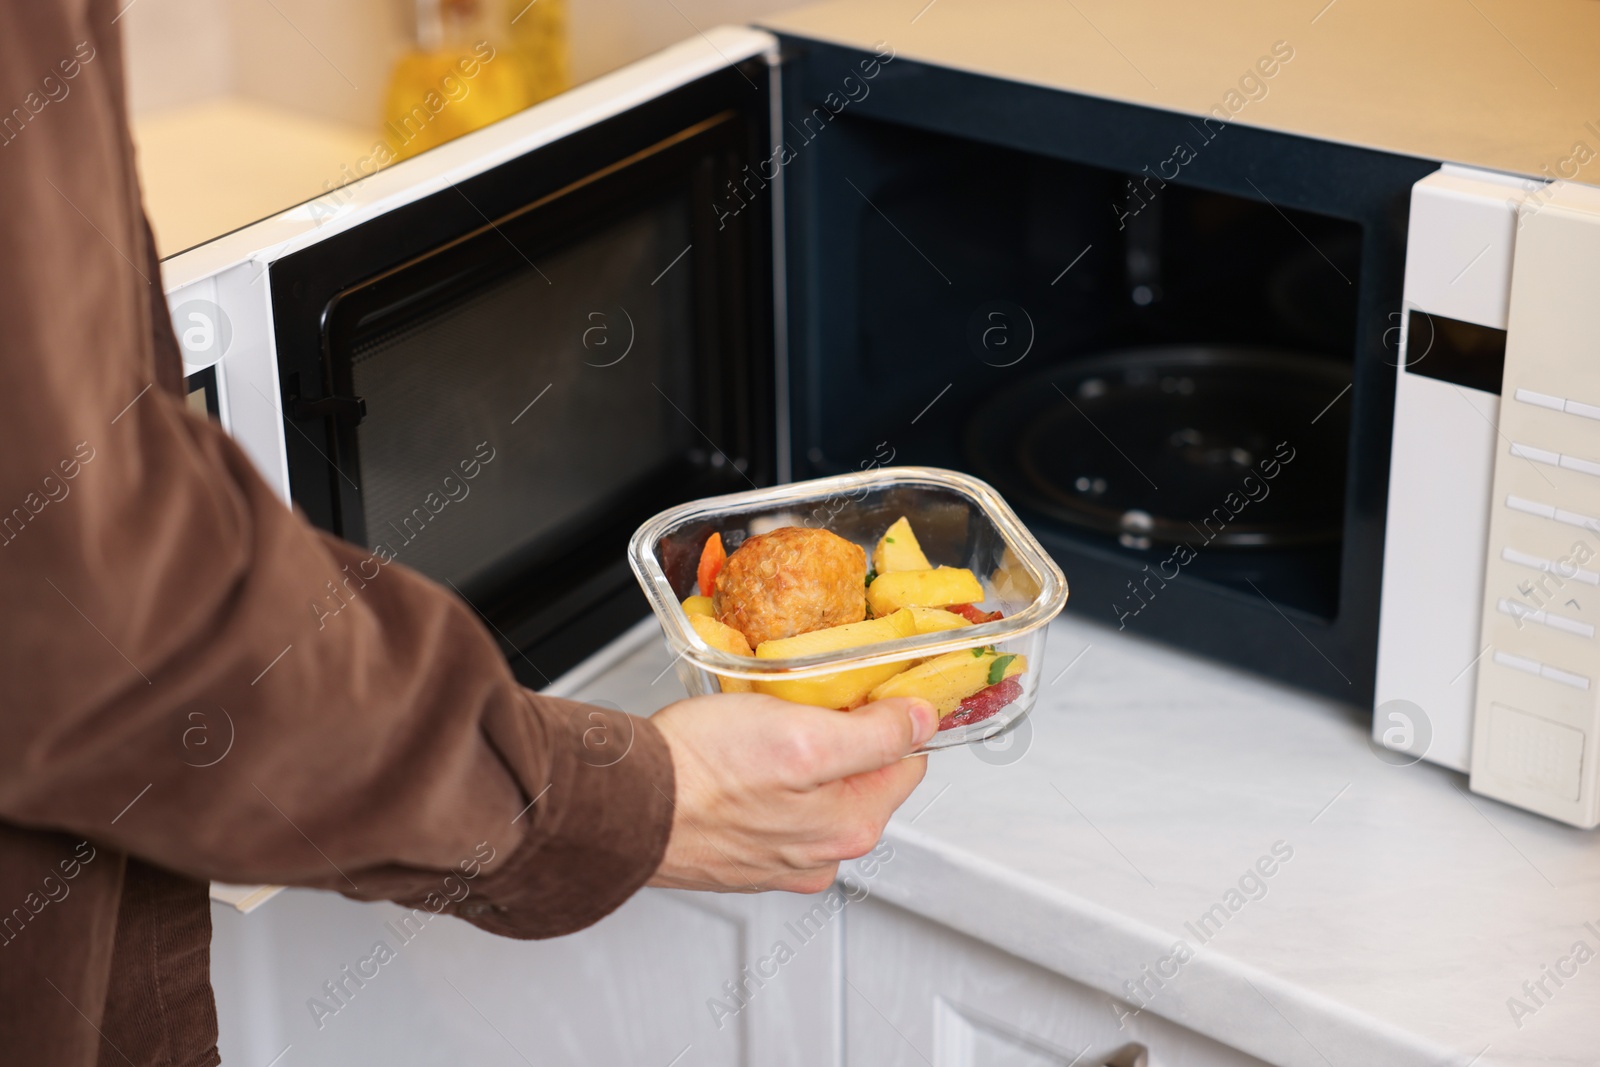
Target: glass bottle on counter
[(536, 32), (474, 64)]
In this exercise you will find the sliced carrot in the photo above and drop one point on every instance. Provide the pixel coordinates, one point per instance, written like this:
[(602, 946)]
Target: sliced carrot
[(712, 557)]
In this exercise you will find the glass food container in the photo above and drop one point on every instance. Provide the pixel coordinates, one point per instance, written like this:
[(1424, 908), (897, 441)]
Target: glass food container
[(959, 521)]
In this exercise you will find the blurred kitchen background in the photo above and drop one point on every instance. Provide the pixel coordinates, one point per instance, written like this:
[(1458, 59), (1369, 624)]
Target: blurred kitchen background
[(242, 108)]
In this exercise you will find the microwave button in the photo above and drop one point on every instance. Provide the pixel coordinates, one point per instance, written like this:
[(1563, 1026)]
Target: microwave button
[(1531, 507), (1521, 612), (1535, 751), (1539, 563), (1577, 518), (1571, 626), (1533, 666), (1518, 663), (1577, 681), (1540, 455), (1526, 559), (1555, 459), (1582, 466), (1544, 400)]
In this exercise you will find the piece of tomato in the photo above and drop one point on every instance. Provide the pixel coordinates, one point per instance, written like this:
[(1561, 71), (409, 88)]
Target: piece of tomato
[(983, 704), (974, 614), (712, 557)]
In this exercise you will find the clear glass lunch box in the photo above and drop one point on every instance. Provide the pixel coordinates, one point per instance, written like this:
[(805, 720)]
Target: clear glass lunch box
[(959, 522)]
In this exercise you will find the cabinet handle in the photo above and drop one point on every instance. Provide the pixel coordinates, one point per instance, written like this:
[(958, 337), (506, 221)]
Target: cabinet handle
[(1133, 1055)]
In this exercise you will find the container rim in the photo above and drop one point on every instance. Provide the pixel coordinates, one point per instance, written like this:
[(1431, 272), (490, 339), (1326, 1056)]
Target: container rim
[(688, 645)]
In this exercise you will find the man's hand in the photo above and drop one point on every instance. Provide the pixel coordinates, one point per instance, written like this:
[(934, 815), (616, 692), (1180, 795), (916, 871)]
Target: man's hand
[(772, 795)]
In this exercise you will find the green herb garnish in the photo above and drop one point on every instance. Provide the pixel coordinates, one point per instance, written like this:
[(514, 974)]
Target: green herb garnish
[(888, 540), (977, 652), (997, 669), (872, 576)]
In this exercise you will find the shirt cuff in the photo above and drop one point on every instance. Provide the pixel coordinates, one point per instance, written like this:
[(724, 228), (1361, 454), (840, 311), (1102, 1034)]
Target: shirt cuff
[(596, 826)]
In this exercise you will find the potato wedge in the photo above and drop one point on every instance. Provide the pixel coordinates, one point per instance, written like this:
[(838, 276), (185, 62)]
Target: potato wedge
[(898, 550), (844, 688), (699, 605), (933, 620), (927, 588), (727, 639), (945, 681), (890, 626)]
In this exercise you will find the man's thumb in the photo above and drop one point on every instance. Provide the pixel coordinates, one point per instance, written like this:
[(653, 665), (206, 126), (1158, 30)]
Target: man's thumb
[(877, 734)]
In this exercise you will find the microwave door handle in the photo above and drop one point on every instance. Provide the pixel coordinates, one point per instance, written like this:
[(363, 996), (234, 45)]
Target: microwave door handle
[(346, 409)]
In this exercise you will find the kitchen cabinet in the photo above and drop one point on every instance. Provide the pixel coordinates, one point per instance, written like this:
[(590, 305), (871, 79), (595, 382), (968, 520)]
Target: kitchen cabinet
[(634, 989), (920, 993), (661, 982)]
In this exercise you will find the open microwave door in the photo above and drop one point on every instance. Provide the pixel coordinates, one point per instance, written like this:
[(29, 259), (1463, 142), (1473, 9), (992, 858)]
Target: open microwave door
[(494, 360)]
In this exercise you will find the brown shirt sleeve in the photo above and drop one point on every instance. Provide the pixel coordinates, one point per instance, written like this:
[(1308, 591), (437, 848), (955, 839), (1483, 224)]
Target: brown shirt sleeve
[(167, 688)]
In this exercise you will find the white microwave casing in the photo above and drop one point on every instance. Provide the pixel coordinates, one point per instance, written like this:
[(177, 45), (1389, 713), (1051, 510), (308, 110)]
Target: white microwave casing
[(1459, 244), (1486, 649)]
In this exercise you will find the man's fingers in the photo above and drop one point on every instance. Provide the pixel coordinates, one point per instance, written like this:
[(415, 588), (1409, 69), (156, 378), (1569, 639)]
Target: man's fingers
[(878, 794), (837, 746), (856, 809), (812, 880)]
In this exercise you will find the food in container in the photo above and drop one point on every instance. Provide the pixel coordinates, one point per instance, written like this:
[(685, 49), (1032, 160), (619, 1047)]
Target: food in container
[(901, 581), (792, 580)]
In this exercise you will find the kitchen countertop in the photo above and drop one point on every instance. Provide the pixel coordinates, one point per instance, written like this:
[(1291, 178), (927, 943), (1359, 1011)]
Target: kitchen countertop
[(221, 164), (1148, 782)]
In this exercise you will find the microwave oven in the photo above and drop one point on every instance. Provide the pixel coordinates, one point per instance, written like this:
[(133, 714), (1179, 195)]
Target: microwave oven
[(1180, 345)]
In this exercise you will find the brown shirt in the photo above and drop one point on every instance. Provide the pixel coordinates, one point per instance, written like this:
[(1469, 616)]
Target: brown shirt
[(153, 616)]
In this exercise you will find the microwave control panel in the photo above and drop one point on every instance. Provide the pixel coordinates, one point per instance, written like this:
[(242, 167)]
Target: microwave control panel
[(1535, 734), (1459, 246)]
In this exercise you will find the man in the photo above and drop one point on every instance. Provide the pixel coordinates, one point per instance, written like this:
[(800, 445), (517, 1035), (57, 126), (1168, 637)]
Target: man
[(151, 584)]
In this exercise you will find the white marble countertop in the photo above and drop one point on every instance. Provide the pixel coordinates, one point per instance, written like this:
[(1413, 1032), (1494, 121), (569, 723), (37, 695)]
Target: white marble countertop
[(1408, 916)]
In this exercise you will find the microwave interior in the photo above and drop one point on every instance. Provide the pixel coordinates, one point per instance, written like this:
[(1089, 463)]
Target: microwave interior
[(1136, 362), (1117, 402), (1166, 340)]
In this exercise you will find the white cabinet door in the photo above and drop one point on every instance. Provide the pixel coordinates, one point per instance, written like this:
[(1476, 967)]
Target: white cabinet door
[(921, 995), (646, 986)]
